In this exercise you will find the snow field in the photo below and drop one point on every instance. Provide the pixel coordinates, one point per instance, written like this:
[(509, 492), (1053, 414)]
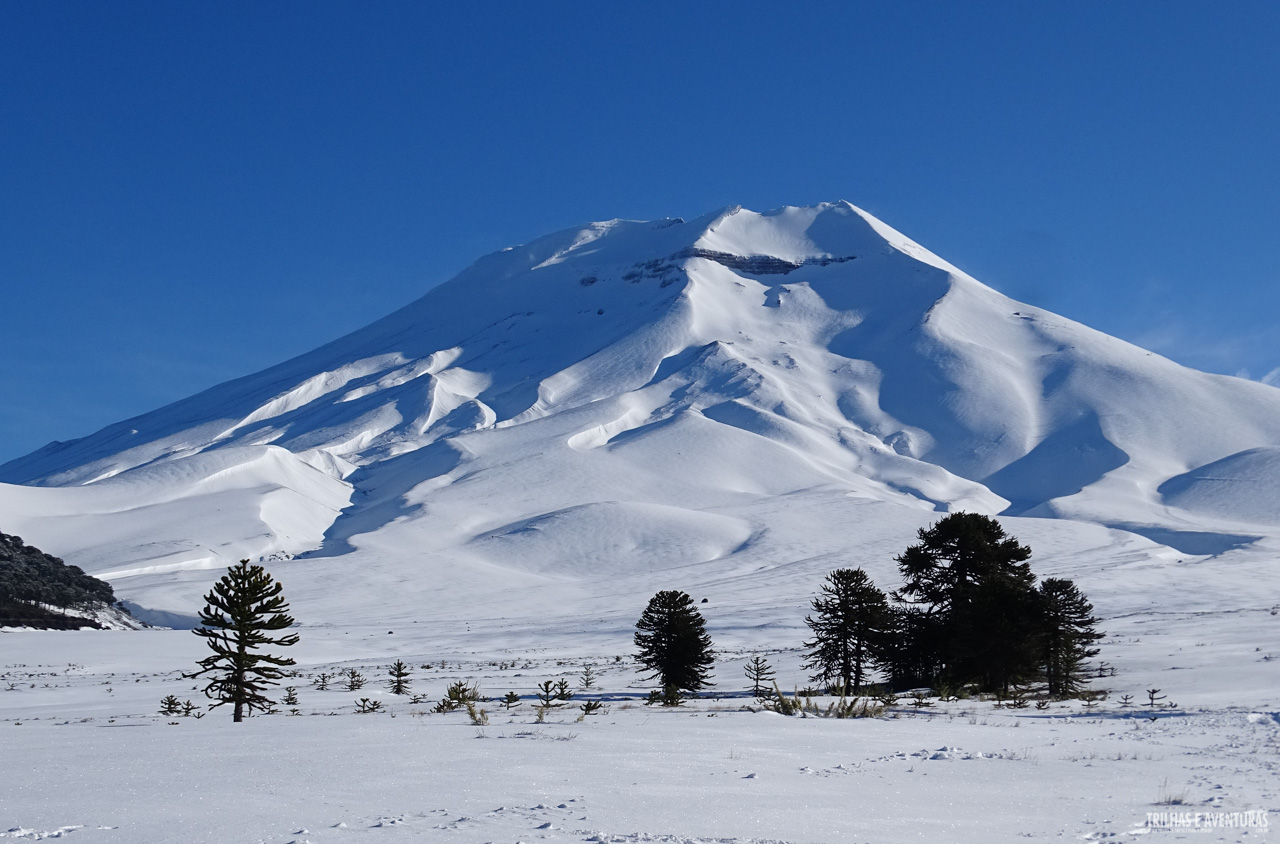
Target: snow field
[(101, 767)]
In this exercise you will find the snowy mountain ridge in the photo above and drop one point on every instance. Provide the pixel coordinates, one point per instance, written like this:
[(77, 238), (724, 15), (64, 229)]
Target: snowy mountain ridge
[(612, 390)]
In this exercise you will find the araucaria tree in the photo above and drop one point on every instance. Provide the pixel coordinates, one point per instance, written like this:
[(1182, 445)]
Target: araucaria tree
[(1068, 631), (399, 682), (241, 613), (971, 611), (672, 641), (761, 674), (849, 622)]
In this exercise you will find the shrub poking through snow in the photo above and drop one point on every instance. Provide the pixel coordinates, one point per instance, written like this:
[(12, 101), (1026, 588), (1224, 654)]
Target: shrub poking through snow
[(355, 680), (399, 682), (457, 696), (364, 706), (170, 705), (511, 701), (290, 696), (479, 717), (844, 707), (668, 695), (781, 704), (554, 693)]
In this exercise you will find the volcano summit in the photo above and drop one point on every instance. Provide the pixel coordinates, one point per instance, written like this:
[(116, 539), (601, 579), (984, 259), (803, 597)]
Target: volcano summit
[(631, 397)]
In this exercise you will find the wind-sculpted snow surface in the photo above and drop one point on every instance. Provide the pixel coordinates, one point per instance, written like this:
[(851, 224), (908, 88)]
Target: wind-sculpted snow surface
[(623, 392)]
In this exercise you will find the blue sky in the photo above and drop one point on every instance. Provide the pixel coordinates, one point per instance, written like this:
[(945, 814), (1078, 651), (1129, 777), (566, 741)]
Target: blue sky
[(190, 192)]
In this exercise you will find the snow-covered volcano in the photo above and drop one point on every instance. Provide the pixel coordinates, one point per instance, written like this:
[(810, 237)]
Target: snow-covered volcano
[(637, 396)]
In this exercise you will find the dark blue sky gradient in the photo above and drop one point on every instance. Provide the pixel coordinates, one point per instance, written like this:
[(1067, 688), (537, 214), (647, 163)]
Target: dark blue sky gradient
[(193, 191)]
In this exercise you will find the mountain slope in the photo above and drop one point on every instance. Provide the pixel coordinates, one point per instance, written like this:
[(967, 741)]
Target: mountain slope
[(604, 393)]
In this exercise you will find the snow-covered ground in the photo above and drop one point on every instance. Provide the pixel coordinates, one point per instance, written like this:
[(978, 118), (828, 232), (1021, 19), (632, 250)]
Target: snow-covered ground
[(85, 752), (81, 722), (495, 479)]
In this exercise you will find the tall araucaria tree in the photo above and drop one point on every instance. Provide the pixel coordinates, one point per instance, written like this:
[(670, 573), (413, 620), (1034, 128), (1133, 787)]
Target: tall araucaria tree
[(241, 612), (1068, 633), (850, 620), (973, 603), (672, 642)]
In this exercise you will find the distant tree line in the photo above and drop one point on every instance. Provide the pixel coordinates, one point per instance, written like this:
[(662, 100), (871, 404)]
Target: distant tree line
[(32, 582), (969, 614)]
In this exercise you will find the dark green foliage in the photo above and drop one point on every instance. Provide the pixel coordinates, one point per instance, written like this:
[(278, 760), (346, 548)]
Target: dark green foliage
[(554, 692), (668, 695), (976, 613), (960, 552), (364, 706), (511, 701), (760, 673), (969, 611), (355, 680), (399, 682), (290, 696), (672, 641), (1067, 632), (912, 652), (31, 581), (459, 695), (170, 705), (241, 611), (851, 618)]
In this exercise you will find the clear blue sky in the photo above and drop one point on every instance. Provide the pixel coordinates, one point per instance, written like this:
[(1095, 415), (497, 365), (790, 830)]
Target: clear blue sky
[(193, 191)]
